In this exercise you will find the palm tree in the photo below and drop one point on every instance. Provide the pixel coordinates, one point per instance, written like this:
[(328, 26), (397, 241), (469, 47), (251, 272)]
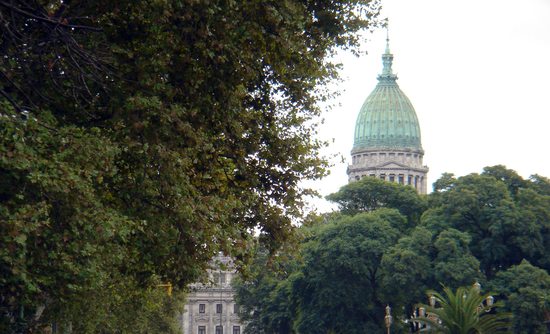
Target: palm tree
[(463, 312)]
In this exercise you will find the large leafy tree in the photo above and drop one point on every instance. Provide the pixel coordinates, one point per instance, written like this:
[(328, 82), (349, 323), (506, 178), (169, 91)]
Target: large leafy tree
[(142, 137), (408, 264), (483, 207), (534, 211), (421, 260), (370, 193), (454, 264), (532, 200), (265, 293), (513, 180), (339, 288), (527, 292)]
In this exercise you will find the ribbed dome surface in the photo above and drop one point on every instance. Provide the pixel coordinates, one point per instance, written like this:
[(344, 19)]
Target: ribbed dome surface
[(387, 119)]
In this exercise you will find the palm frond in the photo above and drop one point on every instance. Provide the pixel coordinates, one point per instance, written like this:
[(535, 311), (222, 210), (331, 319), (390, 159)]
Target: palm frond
[(464, 312)]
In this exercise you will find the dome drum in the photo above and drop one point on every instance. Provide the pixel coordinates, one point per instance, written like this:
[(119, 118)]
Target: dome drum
[(412, 159), (412, 177)]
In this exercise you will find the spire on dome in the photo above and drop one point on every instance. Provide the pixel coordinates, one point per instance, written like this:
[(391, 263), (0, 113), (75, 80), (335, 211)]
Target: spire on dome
[(387, 38), (387, 60)]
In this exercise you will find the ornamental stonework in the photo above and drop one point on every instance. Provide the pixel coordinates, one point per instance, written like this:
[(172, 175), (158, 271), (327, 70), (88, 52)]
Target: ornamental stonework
[(211, 307)]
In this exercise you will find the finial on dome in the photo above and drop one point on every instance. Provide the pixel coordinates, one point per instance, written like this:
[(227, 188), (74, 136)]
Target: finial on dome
[(387, 36)]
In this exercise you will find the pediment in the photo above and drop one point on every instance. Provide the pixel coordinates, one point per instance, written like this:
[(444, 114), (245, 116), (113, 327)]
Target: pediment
[(392, 165)]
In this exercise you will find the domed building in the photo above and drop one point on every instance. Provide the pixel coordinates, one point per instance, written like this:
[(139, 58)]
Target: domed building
[(387, 142)]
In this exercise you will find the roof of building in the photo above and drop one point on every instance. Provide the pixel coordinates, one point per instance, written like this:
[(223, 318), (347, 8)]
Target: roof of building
[(387, 119)]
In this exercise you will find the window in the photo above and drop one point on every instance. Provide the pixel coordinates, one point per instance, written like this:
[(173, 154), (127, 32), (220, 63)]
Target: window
[(236, 308), (202, 329), (218, 278), (236, 329), (392, 178), (372, 175), (410, 179), (202, 308), (218, 308), (219, 330), (383, 176), (401, 179)]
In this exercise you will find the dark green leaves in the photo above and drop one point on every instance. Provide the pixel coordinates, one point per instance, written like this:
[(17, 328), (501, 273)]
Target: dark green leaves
[(140, 138), (369, 194), (475, 228)]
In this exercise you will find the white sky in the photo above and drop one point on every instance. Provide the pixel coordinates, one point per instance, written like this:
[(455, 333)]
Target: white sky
[(478, 75)]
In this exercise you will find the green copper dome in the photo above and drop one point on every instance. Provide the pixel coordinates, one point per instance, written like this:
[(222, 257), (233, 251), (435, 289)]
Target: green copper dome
[(387, 119)]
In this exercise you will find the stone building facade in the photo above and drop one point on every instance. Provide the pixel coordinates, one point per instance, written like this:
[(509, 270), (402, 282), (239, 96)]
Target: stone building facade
[(404, 167), (211, 308), (387, 142)]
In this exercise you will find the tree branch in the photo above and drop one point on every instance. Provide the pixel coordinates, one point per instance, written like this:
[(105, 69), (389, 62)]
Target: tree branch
[(48, 20)]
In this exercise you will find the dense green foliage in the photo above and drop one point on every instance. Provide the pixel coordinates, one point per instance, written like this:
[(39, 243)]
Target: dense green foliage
[(527, 289), (393, 248), (338, 286), (505, 227), (120, 308), (138, 138), (265, 296), (372, 193)]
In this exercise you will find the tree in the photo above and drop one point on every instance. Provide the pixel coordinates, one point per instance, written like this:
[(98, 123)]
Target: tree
[(444, 183), (409, 263), (507, 220), (527, 292), (533, 202), (540, 183), (482, 207), (463, 312), (121, 307), (265, 293), (140, 138), (369, 194), (513, 181), (419, 260), (534, 212), (454, 265), (335, 274), (339, 286)]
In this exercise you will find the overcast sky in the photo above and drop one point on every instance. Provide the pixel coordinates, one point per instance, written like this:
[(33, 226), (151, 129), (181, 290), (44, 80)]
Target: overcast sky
[(478, 75)]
